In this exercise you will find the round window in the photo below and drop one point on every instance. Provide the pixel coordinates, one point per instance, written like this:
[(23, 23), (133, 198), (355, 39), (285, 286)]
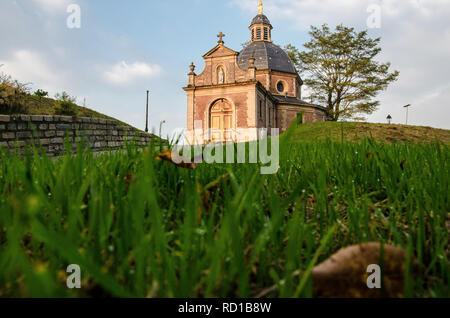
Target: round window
[(280, 87)]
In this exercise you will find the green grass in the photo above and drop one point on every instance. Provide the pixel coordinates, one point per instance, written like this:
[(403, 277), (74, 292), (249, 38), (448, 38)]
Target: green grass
[(313, 132), (132, 223)]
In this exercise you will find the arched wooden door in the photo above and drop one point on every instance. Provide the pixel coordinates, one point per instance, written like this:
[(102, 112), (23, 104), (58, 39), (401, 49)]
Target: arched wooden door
[(221, 120)]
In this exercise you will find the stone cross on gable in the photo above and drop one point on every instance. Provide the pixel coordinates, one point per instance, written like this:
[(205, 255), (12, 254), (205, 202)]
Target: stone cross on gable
[(221, 35)]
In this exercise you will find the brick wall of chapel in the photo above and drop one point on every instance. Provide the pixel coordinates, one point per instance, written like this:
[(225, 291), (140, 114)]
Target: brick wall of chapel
[(267, 109), (289, 83), (286, 116), (240, 100), (222, 57), (270, 81)]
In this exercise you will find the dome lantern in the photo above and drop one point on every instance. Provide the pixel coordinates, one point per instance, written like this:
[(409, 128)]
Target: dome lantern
[(260, 28)]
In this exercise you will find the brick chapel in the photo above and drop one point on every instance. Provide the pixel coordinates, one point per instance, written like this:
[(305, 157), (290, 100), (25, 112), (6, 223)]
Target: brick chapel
[(239, 92)]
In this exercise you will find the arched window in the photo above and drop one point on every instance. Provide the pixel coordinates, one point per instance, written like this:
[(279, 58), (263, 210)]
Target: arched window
[(220, 75)]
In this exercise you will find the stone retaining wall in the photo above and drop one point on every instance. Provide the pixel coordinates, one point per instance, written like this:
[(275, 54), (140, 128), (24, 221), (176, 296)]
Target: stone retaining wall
[(51, 131)]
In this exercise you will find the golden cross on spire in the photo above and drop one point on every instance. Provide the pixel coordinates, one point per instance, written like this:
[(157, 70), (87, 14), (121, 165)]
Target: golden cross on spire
[(220, 35), (260, 7)]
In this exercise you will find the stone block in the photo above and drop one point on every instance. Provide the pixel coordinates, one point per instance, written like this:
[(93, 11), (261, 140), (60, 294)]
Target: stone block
[(24, 134), (100, 144), (5, 118), (37, 118), (66, 119), (8, 135), (45, 142), (17, 143), (22, 126), (64, 126)]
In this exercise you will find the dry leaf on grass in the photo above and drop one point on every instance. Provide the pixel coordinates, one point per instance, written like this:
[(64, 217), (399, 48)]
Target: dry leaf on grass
[(344, 275), (176, 159)]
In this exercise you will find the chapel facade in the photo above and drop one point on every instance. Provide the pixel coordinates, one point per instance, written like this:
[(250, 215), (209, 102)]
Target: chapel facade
[(239, 92)]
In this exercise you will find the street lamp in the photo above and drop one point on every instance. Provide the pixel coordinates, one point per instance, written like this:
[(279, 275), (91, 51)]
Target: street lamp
[(407, 112), (160, 126), (146, 115), (389, 118)]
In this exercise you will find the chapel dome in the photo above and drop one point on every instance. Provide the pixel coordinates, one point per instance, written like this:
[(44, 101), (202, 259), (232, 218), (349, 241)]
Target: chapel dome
[(268, 56)]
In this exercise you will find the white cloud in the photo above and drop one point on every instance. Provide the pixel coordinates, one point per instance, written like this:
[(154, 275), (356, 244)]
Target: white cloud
[(123, 73), (31, 67), (52, 6)]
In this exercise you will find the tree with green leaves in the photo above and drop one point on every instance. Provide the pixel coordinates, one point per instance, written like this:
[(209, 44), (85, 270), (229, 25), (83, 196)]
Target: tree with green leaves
[(341, 69), (41, 93), (65, 104)]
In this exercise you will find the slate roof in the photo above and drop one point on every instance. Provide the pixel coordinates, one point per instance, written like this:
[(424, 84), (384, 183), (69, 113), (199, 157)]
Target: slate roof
[(260, 19), (289, 99), (267, 56), (296, 101)]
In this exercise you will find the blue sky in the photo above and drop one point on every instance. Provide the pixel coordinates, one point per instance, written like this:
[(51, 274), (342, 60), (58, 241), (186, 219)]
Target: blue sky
[(124, 48)]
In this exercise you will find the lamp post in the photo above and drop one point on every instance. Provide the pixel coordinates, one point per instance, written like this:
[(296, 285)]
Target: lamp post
[(407, 112), (146, 115), (389, 118), (160, 126)]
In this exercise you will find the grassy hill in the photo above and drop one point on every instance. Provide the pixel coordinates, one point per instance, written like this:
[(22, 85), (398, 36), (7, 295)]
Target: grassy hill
[(381, 132), (47, 106)]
